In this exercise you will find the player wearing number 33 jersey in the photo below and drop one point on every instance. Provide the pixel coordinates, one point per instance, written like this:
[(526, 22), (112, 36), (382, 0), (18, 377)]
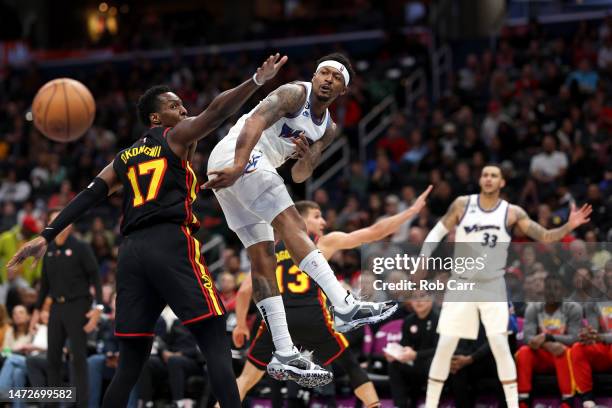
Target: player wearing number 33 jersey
[(483, 223)]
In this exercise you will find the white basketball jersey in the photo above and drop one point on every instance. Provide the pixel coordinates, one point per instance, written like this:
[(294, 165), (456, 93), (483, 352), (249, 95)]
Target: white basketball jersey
[(276, 141), (484, 233)]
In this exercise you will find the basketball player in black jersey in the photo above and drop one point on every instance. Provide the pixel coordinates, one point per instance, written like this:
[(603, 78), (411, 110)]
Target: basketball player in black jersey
[(310, 322), (159, 260)]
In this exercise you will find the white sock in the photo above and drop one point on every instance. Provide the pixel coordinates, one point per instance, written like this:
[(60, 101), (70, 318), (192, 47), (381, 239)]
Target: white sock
[(434, 389), (273, 313), (511, 392), (315, 265)]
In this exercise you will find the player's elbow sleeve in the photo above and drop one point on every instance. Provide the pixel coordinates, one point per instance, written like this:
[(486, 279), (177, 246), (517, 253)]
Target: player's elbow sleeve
[(437, 233)]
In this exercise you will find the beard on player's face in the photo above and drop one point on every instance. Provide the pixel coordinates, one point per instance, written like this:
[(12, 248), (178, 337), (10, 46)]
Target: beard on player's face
[(326, 88)]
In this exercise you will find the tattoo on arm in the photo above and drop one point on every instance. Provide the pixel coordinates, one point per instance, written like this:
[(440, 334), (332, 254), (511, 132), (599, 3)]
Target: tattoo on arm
[(455, 211), (284, 100), (306, 165), (537, 232)]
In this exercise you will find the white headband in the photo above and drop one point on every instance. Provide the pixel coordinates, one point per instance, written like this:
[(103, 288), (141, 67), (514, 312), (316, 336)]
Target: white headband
[(339, 67)]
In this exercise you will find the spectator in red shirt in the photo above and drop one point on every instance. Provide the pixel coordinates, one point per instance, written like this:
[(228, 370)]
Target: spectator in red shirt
[(394, 143), (227, 290)]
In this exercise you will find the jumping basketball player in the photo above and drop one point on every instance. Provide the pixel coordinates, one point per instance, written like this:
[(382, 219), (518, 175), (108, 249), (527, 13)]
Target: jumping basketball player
[(159, 260), (291, 121), (305, 304), (484, 221)]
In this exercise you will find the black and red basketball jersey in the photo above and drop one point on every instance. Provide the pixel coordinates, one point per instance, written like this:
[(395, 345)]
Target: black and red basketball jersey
[(295, 286), (158, 186)]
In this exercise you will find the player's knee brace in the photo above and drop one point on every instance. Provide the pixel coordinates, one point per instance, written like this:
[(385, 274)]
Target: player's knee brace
[(357, 375), (440, 365), (506, 370)]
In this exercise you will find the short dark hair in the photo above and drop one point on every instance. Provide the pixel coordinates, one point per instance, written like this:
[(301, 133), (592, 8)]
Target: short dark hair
[(553, 277), (148, 102), (304, 206), (583, 265), (501, 171), (341, 58)]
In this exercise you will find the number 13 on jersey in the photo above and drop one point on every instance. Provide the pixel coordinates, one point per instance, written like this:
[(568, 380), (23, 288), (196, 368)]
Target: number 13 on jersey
[(158, 168)]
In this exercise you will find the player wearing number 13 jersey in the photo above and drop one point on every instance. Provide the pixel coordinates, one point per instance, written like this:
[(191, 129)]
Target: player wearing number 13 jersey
[(159, 259), (483, 223), (309, 320)]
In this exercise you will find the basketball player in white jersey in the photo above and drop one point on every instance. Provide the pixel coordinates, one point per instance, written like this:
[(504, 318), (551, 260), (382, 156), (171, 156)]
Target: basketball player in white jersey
[(292, 121), (484, 221)]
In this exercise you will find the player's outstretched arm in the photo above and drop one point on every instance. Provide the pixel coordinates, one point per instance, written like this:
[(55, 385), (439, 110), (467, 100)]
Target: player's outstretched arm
[(243, 300), (309, 156), (334, 241), (224, 105), (103, 185), (538, 233), (285, 100), (446, 223)]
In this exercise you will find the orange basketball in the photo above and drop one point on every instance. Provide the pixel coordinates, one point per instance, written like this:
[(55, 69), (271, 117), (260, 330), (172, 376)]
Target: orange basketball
[(63, 109)]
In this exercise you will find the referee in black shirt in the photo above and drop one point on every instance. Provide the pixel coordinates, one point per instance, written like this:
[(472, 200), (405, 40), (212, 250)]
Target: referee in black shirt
[(69, 268)]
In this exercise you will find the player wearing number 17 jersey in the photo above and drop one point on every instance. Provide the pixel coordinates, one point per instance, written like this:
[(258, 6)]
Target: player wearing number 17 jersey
[(483, 223), (159, 259)]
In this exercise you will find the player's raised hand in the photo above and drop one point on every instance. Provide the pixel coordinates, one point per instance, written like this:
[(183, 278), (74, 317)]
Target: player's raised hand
[(579, 217), (36, 248), (270, 68), (223, 177), (421, 200)]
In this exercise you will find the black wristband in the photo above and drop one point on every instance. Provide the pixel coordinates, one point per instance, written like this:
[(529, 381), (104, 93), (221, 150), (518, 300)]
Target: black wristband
[(95, 192), (549, 337)]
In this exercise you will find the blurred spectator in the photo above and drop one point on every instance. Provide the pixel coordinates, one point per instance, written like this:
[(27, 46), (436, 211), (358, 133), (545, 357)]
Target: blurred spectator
[(102, 364), (5, 322), (584, 79), (358, 179), (394, 143), (548, 167), (10, 242), (468, 75), (601, 217), (101, 246), (409, 364), (584, 290), (417, 149), (550, 328), (604, 57), (448, 142), (18, 336), (491, 122), (176, 359), (384, 177), (227, 290), (14, 190), (8, 217), (13, 373), (98, 228), (594, 350), (63, 197)]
